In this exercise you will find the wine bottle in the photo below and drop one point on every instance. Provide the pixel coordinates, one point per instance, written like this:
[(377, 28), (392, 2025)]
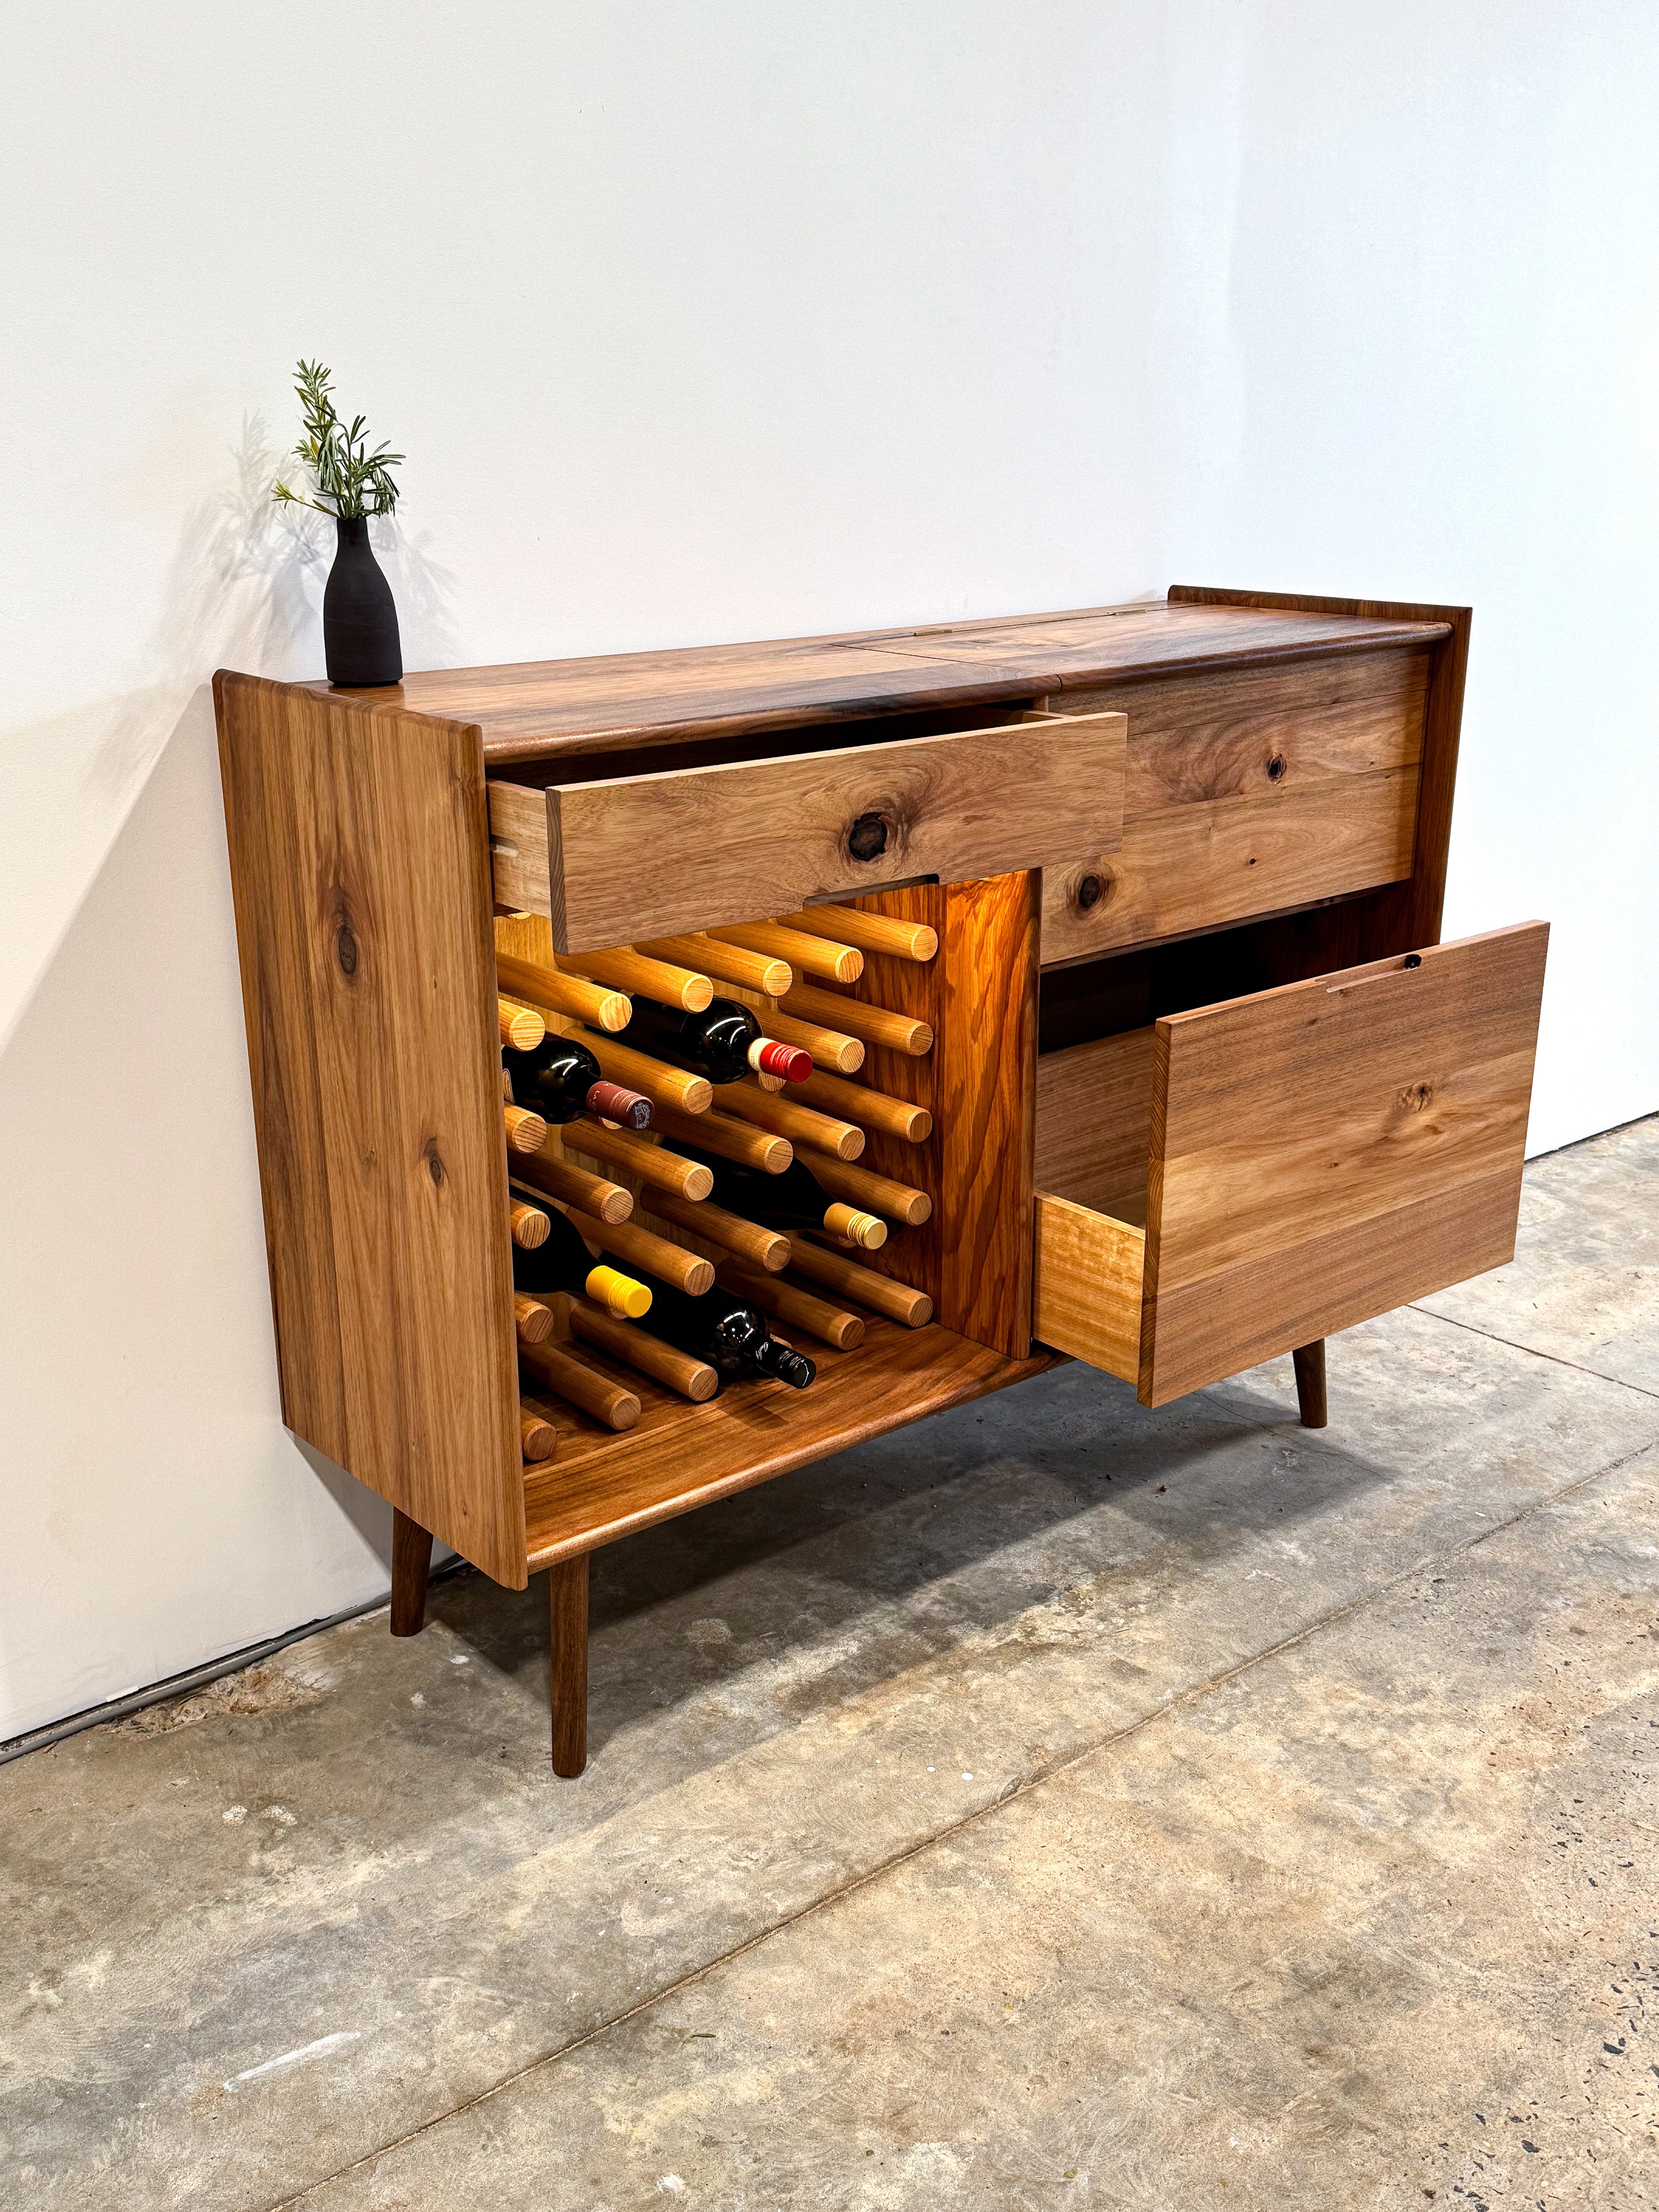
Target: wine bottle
[(560, 1078), (723, 1042), (795, 1200), (564, 1263), (730, 1334)]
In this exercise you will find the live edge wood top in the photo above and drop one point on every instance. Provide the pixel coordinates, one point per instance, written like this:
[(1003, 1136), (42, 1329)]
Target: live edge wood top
[(533, 710)]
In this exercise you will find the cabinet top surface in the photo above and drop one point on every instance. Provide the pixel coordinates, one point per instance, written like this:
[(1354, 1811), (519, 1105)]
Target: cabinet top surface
[(531, 710)]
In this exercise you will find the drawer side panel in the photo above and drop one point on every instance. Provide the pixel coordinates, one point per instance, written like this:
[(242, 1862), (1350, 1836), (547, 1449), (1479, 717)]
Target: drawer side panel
[(1086, 1286)]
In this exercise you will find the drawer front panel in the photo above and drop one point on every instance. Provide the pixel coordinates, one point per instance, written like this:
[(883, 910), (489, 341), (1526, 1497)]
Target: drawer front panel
[(1248, 791), (1301, 1160), (1323, 1152), (649, 856)]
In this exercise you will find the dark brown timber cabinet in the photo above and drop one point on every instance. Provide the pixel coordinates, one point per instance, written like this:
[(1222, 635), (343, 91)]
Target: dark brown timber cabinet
[(1189, 1080)]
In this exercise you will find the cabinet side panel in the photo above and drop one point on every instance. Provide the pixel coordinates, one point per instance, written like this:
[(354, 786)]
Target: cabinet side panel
[(361, 868)]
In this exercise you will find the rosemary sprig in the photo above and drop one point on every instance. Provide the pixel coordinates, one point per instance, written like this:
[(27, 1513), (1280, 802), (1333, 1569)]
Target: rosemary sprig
[(347, 479)]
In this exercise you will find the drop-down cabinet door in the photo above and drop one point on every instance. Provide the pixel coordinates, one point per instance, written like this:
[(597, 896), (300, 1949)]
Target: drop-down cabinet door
[(1315, 1155)]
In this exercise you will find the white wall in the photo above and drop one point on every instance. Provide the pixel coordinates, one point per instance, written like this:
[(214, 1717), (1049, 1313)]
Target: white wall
[(716, 322)]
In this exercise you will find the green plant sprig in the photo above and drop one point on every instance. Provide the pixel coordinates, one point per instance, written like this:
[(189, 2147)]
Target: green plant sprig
[(347, 480)]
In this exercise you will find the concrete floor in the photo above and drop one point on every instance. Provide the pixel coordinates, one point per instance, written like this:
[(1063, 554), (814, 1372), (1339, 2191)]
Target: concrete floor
[(1054, 1804)]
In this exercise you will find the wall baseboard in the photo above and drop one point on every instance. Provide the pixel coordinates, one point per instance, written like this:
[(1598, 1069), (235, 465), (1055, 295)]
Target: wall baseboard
[(198, 1678)]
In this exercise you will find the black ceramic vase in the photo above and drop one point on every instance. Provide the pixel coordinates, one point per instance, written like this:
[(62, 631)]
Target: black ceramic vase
[(360, 620)]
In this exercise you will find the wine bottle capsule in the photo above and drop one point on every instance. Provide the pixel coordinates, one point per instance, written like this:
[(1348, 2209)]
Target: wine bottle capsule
[(564, 1263)]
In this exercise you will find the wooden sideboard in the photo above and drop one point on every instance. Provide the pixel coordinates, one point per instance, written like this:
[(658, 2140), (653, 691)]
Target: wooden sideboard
[(1204, 1087)]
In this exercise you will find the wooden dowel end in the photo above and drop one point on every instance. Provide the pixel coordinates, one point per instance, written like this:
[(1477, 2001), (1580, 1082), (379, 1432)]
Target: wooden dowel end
[(633, 1343), (580, 1385), (893, 1301), (560, 1179)]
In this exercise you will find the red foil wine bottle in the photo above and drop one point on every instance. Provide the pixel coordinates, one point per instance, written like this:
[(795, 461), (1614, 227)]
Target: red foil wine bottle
[(560, 1078), (724, 1043)]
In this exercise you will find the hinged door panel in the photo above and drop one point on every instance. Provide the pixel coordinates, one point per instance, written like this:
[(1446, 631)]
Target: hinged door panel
[(1328, 1151)]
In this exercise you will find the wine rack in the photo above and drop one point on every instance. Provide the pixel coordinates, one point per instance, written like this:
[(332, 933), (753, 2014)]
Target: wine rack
[(949, 1284), (1185, 1080)]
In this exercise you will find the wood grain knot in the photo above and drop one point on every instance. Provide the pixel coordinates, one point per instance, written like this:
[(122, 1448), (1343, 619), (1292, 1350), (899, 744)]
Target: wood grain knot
[(1276, 765), (434, 1159), (867, 838), (1089, 891), (1417, 1097), (345, 949)]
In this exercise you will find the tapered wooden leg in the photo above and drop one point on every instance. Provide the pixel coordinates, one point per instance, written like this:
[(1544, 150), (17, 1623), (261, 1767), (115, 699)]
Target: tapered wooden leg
[(1309, 1360), (566, 1591), (411, 1564)]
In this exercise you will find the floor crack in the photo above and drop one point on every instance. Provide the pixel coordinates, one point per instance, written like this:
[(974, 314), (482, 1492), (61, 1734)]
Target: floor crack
[(1180, 1701), (1575, 1366)]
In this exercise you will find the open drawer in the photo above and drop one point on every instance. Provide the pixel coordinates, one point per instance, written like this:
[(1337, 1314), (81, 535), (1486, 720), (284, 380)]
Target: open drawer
[(647, 856), (1248, 1178)]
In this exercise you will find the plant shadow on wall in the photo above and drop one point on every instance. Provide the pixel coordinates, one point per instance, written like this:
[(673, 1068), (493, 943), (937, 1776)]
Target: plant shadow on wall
[(244, 589), (120, 896)]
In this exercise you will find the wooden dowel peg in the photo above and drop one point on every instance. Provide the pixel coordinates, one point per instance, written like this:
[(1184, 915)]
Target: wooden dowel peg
[(522, 1027), (687, 1271), (893, 1301), (749, 1240), (633, 1344), (754, 971), (653, 1079), (653, 1165), (802, 1125), (865, 1232), (580, 1385), (537, 1436), (806, 956), (730, 1139), (801, 1308), (525, 1132), (897, 1201), (528, 1225), (546, 989), (532, 1320), (632, 970), (540, 1409), (871, 1111), (875, 1024), (560, 1179), (871, 932), (831, 1049)]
